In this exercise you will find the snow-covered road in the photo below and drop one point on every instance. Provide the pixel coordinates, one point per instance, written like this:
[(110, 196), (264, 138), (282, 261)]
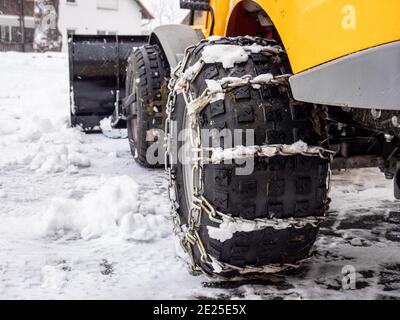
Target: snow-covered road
[(80, 220)]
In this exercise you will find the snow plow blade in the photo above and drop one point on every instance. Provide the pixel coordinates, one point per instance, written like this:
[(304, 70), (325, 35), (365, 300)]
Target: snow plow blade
[(97, 66)]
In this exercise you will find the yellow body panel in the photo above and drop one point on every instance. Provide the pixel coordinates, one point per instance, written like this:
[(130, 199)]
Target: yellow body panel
[(317, 31)]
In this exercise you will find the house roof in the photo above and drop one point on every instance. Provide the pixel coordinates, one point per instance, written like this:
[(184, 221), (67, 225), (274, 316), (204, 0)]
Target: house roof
[(145, 12)]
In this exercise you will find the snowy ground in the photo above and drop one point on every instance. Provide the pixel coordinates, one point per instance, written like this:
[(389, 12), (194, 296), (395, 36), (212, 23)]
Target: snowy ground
[(80, 220)]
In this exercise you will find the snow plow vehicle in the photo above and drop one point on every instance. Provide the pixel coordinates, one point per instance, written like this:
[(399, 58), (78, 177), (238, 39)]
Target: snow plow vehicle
[(290, 89)]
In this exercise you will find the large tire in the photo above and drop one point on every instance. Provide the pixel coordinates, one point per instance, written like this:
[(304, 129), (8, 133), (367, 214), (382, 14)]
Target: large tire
[(397, 183), (147, 77), (280, 188)]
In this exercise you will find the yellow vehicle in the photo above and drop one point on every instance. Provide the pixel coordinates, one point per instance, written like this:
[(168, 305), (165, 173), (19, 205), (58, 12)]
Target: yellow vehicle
[(260, 100)]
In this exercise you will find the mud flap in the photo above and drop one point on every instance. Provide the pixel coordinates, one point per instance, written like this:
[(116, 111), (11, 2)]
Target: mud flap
[(97, 78)]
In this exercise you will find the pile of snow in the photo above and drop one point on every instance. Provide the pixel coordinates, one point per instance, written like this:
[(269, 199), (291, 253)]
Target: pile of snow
[(238, 152), (245, 152), (228, 55), (34, 114), (49, 148), (229, 227), (109, 132), (215, 90), (112, 209)]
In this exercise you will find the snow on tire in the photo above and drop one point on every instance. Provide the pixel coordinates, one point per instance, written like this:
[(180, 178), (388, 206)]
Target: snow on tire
[(266, 221)]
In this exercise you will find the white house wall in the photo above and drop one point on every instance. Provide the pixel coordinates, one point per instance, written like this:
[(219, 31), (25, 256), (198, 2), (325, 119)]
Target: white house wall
[(84, 17)]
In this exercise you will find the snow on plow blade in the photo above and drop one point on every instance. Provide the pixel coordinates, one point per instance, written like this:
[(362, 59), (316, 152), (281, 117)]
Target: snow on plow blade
[(97, 66)]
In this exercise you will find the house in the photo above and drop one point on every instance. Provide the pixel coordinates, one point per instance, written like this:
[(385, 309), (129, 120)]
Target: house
[(102, 17), (12, 28), (110, 17)]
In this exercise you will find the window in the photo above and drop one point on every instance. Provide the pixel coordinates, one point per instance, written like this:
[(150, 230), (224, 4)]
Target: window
[(107, 4), (4, 34), (104, 33), (16, 34)]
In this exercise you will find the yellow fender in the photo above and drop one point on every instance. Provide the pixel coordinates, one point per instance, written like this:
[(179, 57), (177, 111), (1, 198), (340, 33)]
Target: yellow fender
[(317, 31)]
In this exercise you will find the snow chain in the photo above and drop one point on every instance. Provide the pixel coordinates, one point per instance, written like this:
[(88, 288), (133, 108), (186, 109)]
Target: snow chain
[(188, 235)]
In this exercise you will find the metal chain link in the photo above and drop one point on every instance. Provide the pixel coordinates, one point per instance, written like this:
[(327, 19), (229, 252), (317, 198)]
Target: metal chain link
[(188, 235)]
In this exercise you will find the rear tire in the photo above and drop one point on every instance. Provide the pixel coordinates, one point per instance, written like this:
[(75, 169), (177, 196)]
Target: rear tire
[(147, 77), (281, 187), (397, 183)]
